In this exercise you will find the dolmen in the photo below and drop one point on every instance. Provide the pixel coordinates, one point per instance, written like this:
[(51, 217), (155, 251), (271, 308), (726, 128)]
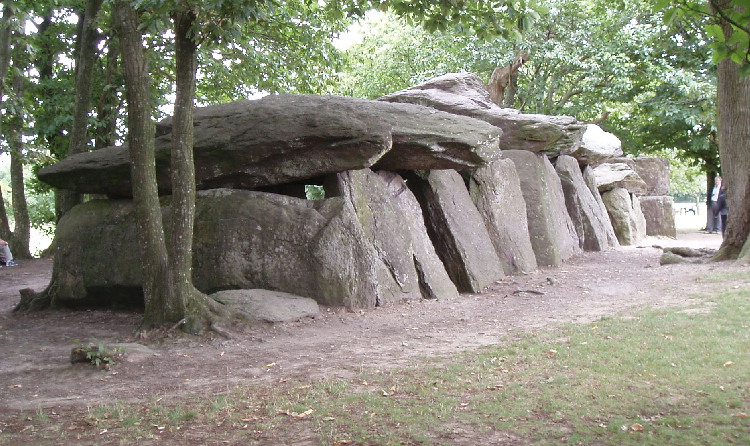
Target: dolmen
[(426, 193)]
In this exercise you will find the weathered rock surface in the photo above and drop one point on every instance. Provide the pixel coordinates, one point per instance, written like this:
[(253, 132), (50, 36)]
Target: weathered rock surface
[(496, 192), (465, 94), (285, 138), (611, 176), (310, 248), (553, 235), (653, 171), (627, 218), (594, 229), (268, 306), (383, 227), (590, 179), (457, 230), (596, 146), (659, 215), (433, 278), (406, 266)]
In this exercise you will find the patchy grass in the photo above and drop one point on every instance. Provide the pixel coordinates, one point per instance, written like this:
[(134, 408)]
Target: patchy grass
[(676, 376)]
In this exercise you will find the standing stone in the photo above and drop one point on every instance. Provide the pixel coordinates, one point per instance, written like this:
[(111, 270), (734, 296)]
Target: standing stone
[(590, 179), (592, 224), (433, 279), (457, 230), (496, 191), (627, 218), (659, 215), (553, 235), (383, 225)]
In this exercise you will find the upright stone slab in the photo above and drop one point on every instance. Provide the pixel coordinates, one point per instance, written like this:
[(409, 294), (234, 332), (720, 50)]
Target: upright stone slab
[(457, 230), (553, 235), (627, 218), (433, 278), (659, 215), (382, 225), (496, 191), (590, 179), (593, 227), (389, 231), (242, 240)]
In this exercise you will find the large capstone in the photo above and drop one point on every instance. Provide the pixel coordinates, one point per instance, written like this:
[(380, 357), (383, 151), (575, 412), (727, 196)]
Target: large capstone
[(653, 171), (465, 94), (496, 191), (553, 235), (457, 230), (619, 175), (593, 226), (596, 146), (287, 138)]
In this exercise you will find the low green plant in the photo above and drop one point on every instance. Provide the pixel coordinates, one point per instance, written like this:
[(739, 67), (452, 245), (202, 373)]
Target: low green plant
[(98, 355)]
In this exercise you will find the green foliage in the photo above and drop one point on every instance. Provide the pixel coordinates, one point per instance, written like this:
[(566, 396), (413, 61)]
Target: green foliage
[(656, 84), (727, 23), (98, 355)]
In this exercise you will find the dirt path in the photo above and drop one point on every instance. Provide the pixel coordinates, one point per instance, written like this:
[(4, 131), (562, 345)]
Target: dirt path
[(35, 370)]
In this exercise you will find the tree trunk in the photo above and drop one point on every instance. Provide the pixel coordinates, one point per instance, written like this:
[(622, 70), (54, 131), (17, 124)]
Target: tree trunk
[(183, 176), (22, 228), (108, 107), (157, 286), (734, 152), (86, 52)]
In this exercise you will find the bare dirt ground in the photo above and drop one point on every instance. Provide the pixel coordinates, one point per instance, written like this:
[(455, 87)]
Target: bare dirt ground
[(35, 371)]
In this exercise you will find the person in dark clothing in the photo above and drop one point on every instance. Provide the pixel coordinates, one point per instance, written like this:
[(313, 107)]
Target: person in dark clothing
[(721, 204)]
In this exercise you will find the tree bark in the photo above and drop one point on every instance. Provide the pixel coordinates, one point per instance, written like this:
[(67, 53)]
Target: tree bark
[(86, 52), (109, 104), (734, 152), (22, 229), (157, 286)]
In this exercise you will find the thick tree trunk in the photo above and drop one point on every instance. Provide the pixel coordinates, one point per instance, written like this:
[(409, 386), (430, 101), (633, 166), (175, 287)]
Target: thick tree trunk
[(183, 177), (86, 52), (22, 229), (734, 152), (157, 286)]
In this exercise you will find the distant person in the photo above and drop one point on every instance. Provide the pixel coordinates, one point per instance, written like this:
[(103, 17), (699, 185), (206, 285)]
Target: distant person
[(6, 258), (723, 208), (714, 220)]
